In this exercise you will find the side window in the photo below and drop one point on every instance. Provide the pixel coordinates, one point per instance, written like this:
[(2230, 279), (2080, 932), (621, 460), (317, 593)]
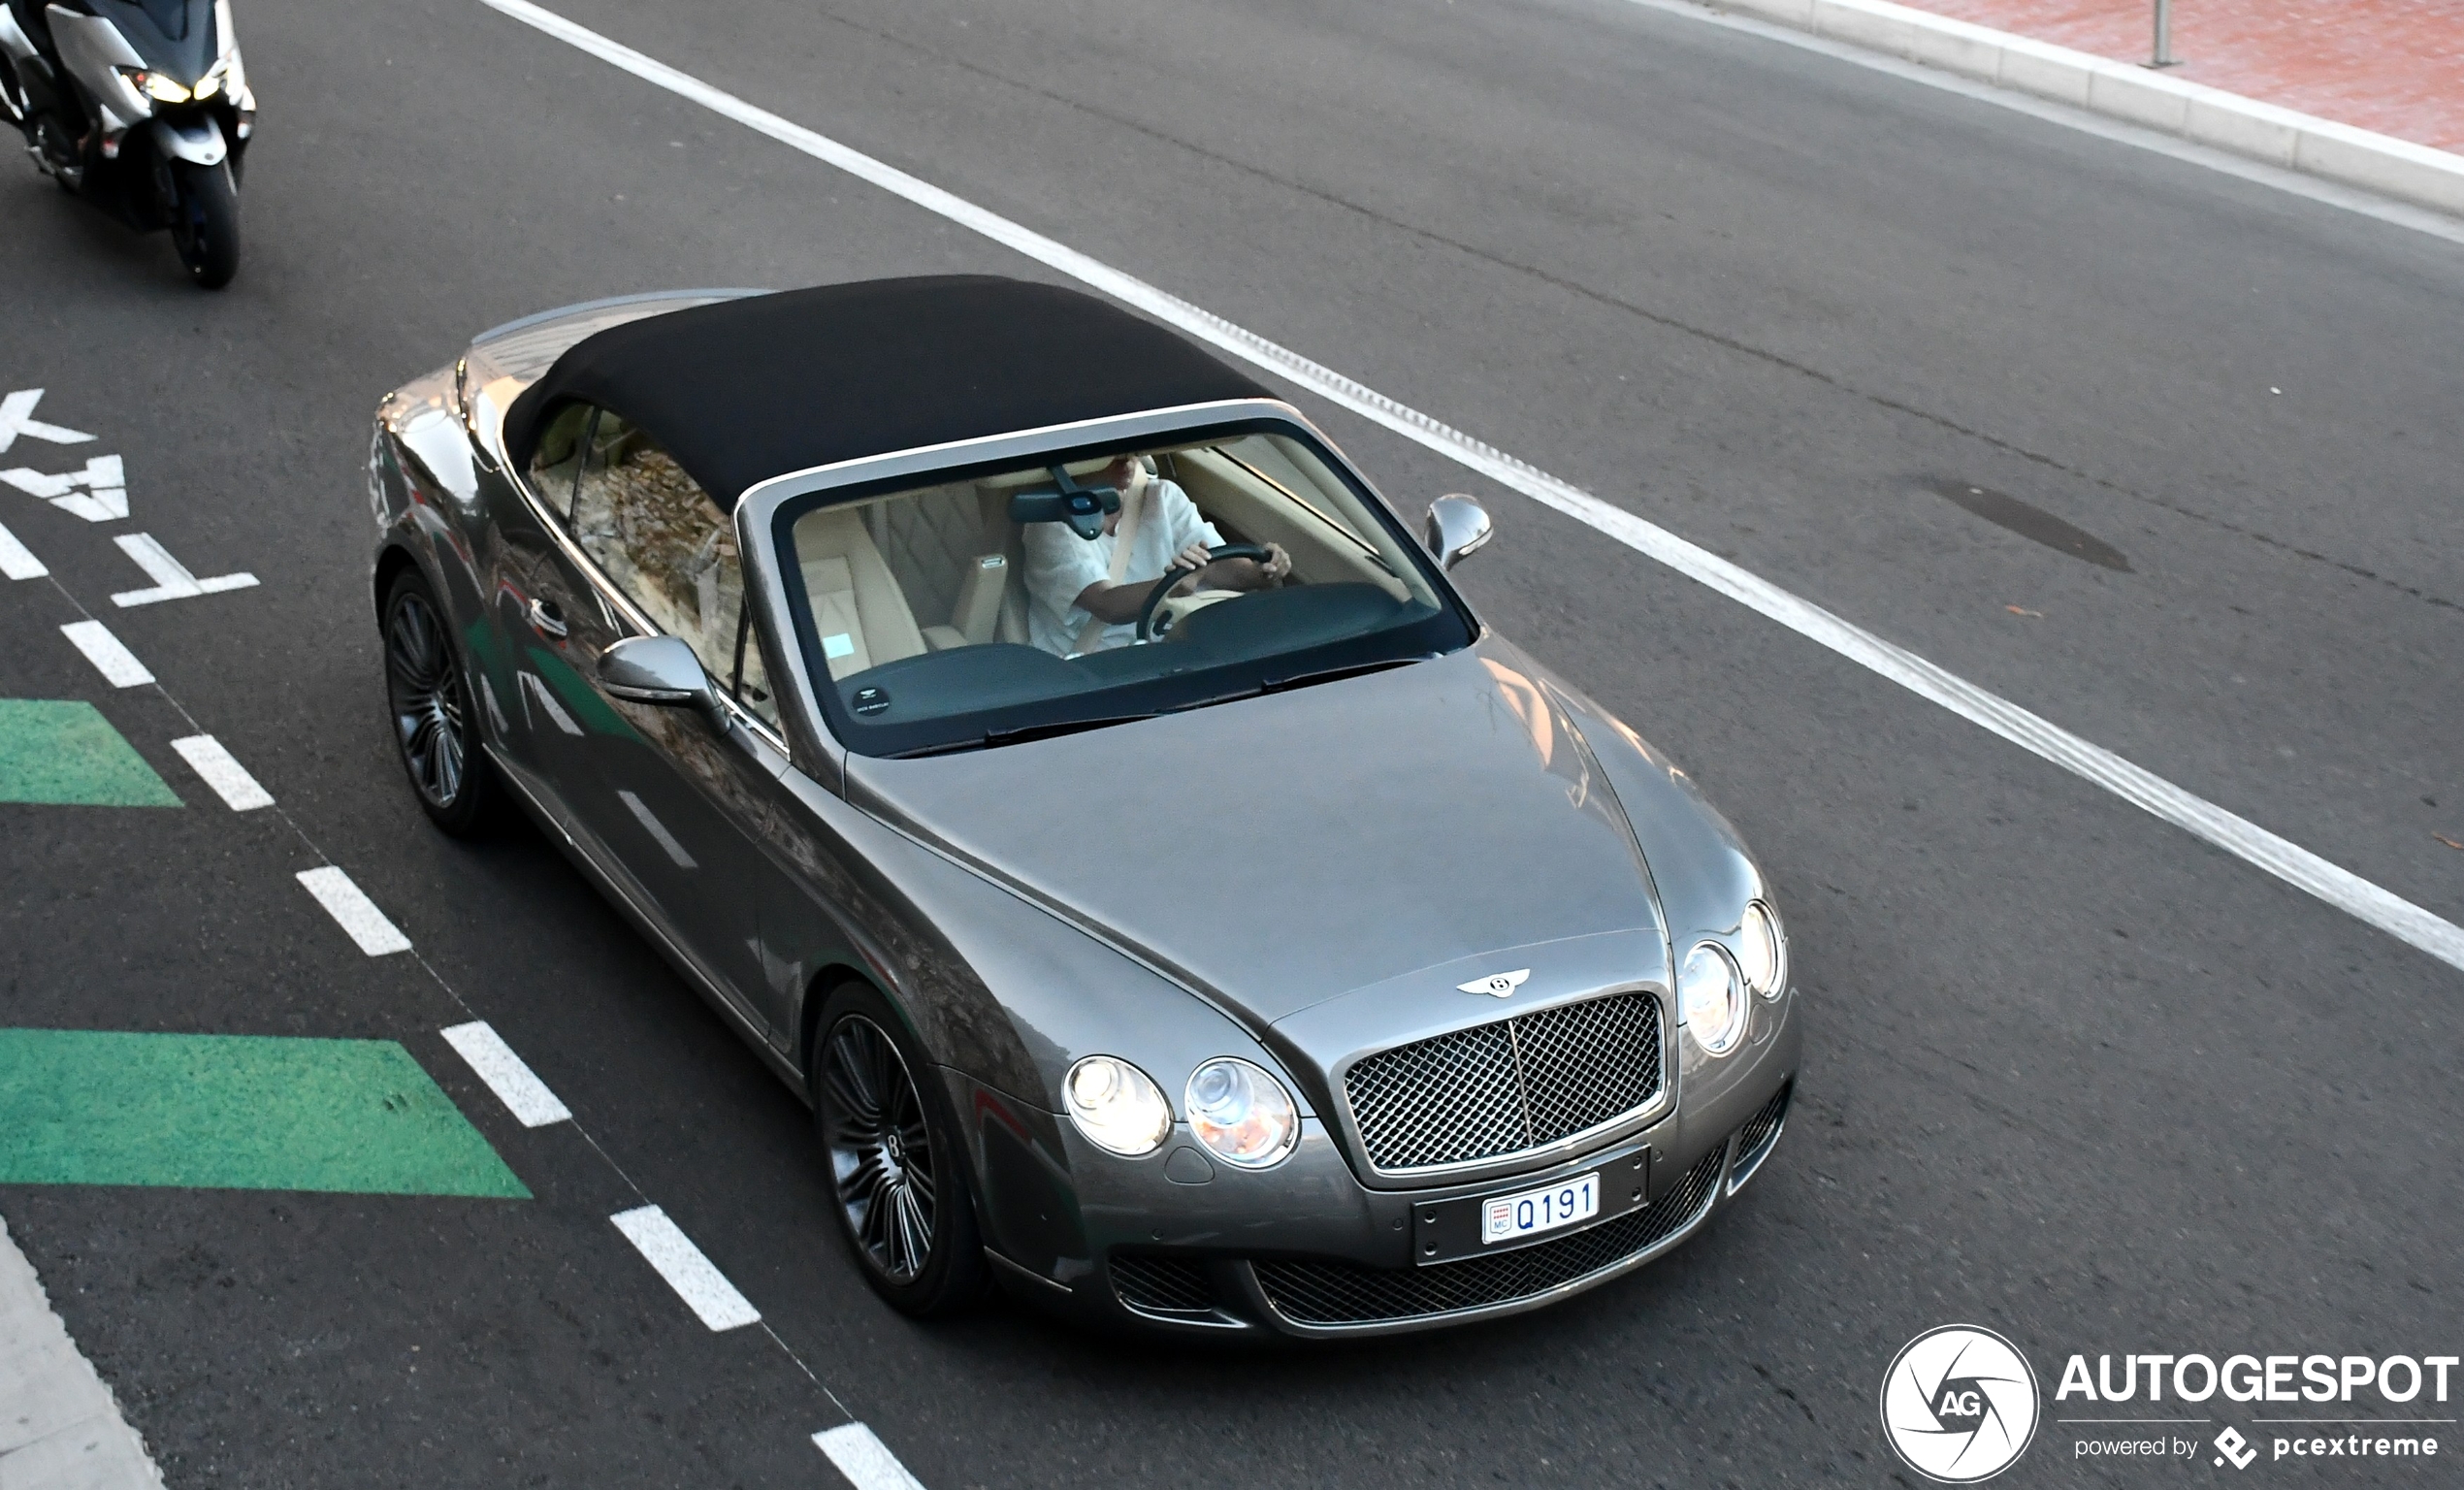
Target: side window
[(558, 461), (661, 539)]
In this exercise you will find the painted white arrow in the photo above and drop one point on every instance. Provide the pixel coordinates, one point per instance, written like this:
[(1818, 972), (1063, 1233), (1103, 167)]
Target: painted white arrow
[(17, 417), (172, 579), (105, 479)]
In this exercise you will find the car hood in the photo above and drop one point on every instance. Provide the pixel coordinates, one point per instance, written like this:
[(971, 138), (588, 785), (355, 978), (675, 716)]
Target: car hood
[(1280, 851)]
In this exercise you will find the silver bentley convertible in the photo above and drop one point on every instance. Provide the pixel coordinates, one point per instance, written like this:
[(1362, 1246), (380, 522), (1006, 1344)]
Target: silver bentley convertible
[(1063, 768)]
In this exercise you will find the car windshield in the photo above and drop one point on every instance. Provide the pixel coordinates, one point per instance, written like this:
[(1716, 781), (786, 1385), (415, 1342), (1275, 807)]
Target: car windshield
[(1100, 587)]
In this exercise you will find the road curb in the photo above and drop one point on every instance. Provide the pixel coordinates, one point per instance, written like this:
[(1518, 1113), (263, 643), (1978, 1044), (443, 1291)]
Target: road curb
[(2211, 116), (60, 1427)]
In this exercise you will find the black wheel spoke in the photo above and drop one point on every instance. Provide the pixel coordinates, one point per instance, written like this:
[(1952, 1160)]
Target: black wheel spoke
[(880, 1149), (427, 698)]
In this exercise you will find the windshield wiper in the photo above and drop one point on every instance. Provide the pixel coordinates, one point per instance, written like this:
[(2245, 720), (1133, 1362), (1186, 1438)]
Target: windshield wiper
[(991, 738), (1303, 680)]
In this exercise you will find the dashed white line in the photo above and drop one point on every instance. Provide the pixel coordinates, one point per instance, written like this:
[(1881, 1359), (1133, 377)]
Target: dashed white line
[(2287, 861), (865, 1459), (117, 665), (223, 772), (697, 1280), (16, 561), (353, 911), (506, 1073)]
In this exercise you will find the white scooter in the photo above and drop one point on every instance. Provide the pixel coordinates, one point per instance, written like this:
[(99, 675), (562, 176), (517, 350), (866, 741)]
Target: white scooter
[(141, 106)]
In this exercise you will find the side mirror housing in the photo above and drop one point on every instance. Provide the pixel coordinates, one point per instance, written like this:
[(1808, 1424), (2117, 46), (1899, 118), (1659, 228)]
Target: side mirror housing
[(656, 669), (1458, 528)]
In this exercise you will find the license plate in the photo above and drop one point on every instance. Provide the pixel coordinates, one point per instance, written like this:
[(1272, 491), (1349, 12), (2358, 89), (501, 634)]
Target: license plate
[(1506, 1218)]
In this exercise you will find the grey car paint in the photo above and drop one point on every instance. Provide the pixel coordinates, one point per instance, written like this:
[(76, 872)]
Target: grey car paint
[(1363, 847)]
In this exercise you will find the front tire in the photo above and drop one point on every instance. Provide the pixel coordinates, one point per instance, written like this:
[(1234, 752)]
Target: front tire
[(204, 223), (436, 730), (899, 1178)]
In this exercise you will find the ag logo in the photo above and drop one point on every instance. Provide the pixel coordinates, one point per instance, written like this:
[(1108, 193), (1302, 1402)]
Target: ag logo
[(1960, 1404), (1497, 985)]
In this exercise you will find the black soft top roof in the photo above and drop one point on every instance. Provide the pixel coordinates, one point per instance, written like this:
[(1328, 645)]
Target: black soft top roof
[(744, 390)]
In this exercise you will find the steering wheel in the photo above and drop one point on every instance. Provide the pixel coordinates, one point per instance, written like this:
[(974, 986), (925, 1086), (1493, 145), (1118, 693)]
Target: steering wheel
[(1162, 591)]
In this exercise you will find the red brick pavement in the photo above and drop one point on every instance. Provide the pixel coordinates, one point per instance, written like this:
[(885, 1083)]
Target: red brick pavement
[(2395, 66)]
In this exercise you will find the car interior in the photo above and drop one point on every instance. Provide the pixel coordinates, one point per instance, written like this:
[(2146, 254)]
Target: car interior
[(892, 582), (941, 568)]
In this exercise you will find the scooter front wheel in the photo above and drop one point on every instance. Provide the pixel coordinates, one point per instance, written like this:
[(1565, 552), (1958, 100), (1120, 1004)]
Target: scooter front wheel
[(205, 222)]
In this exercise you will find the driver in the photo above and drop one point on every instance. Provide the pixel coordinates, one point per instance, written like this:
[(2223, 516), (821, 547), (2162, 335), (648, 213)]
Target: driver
[(1083, 597)]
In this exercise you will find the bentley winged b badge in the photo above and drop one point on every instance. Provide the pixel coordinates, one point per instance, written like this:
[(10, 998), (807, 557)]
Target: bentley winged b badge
[(1497, 985)]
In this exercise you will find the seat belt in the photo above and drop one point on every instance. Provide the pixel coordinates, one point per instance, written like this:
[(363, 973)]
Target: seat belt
[(1133, 506)]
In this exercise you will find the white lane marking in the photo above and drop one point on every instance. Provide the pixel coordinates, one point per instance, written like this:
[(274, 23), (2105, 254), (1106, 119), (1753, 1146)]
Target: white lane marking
[(865, 1459), (223, 772), (506, 1073), (106, 483), (16, 561), (2246, 840), (353, 911), (118, 666), (700, 1284), (657, 830), (17, 417), (172, 579)]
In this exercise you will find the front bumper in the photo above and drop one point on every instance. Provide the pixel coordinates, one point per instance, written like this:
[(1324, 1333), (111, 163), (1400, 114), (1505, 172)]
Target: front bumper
[(1306, 1251)]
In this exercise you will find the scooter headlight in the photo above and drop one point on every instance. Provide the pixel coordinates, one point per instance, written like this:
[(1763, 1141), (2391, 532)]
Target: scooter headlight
[(162, 89)]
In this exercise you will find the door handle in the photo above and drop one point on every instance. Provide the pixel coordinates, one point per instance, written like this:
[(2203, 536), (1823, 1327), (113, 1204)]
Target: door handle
[(546, 618)]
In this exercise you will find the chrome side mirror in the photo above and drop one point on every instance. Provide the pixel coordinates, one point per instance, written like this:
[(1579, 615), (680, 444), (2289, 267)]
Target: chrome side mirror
[(656, 669), (1458, 527)]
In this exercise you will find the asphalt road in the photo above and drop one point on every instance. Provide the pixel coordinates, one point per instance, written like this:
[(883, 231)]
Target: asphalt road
[(2071, 1073)]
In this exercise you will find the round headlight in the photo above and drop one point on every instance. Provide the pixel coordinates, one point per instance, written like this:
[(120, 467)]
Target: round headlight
[(1762, 951), (1241, 1114), (1711, 998), (1116, 1107)]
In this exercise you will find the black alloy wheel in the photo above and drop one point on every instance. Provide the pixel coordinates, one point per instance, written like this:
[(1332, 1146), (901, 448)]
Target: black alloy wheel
[(900, 1186), (431, 709), (204, 223)]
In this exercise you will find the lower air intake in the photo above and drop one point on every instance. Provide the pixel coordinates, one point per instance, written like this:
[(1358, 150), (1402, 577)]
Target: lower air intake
[(1342, 1293), (1167, 1286)]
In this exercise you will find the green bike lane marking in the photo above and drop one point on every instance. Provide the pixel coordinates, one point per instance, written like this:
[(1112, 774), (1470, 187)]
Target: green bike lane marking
[(64, 753), (235, 1112)]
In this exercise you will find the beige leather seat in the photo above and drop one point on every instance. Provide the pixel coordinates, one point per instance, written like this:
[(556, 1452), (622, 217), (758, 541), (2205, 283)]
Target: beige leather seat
[(859, 613)]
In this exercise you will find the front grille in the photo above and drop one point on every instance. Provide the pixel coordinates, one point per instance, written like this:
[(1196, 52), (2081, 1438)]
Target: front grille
[(1341, 1294), (1504, 1087), (1163, 1284)]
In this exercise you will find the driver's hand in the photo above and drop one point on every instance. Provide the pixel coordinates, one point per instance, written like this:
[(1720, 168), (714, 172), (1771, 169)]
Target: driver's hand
[(1279, 564), (1193, 559)]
